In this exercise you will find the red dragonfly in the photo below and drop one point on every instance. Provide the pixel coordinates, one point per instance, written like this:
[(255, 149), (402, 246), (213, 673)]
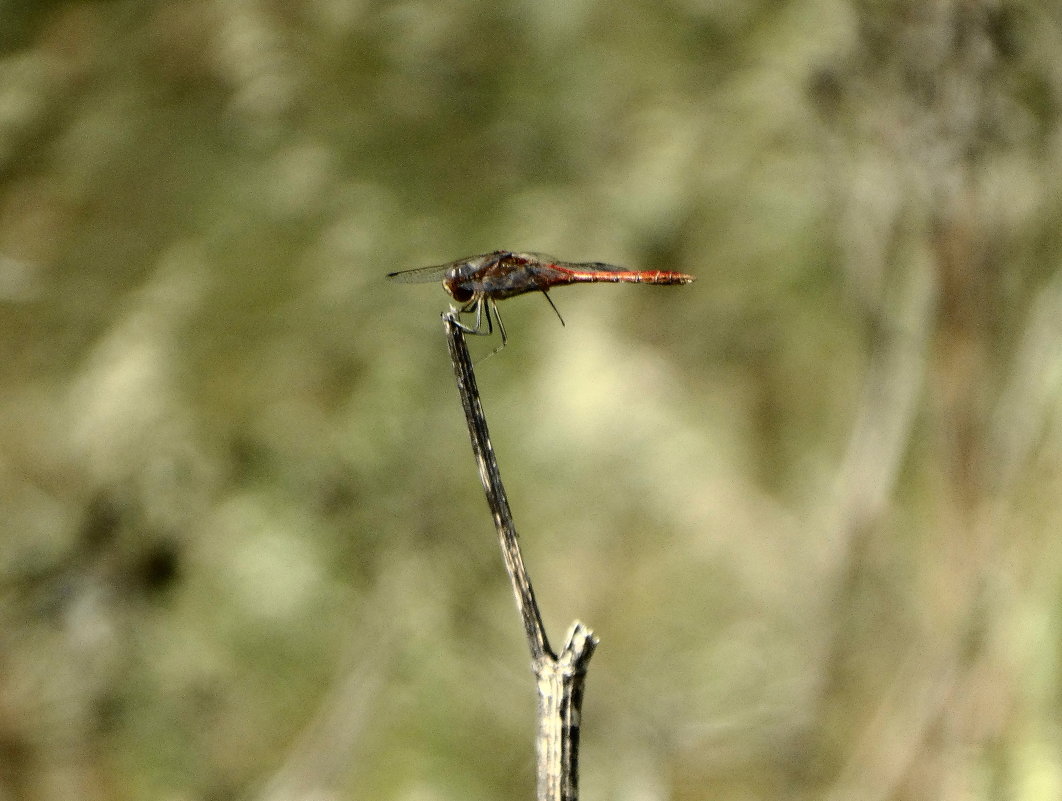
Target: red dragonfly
[(477, 283)]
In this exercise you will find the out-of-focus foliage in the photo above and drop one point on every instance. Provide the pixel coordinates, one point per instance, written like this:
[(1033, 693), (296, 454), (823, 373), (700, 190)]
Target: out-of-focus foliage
[(810, 503)]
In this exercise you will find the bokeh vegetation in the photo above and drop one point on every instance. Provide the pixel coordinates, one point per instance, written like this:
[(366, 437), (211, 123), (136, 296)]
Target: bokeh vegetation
[(810, 503)]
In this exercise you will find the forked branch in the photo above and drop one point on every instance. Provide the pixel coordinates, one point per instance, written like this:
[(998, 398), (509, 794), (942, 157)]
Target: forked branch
[(559, 679)]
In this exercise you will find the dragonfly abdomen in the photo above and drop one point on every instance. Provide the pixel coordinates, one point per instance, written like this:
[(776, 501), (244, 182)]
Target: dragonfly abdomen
[(660, 277)]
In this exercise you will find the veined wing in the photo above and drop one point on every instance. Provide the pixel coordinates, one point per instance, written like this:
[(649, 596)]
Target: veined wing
[(466, 269), (584, 266), (421, 275), (590, 271), (546, 261)]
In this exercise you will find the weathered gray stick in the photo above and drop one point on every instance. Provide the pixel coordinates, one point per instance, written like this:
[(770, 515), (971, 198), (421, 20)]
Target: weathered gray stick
[(560, 680)]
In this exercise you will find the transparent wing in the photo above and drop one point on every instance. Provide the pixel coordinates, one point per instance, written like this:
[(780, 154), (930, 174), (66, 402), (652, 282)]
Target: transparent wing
[(591, 271), (573, 266), (421, 275)]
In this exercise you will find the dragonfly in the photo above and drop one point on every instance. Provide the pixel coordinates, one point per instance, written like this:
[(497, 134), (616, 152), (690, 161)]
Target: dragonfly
[(477, 283)]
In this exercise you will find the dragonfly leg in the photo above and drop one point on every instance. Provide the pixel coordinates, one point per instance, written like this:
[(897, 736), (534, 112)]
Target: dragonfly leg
[(501, 325), (487, 308), (463, 327), (554, 305), (501, 329), (474, 305)]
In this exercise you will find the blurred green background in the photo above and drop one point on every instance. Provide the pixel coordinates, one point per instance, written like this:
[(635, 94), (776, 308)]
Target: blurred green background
[(810, 503)]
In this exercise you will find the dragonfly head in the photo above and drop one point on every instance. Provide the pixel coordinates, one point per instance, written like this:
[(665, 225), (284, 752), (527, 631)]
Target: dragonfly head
[(456, 288)]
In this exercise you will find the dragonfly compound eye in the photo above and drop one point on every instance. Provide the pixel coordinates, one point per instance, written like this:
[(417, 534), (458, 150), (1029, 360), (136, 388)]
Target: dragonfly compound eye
[(462, 294)]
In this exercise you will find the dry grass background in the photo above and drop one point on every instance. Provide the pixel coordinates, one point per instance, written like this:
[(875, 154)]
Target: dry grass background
[(810, 503)]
